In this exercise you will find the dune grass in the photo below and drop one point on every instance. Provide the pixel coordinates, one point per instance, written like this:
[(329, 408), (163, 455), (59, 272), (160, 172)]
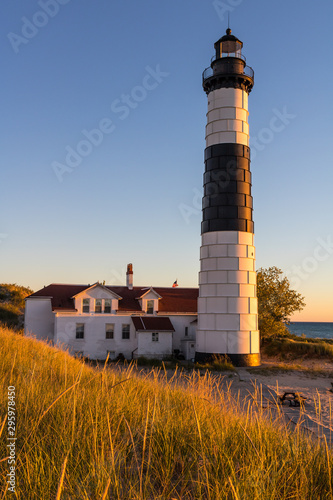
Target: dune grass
[(86, 433), (298, 347), (281, 368), (218, 364)]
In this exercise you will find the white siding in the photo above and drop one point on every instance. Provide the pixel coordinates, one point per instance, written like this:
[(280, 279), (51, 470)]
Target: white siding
[(61, 328), (150, 349), (94, 344), (38, 318), (179, 323)]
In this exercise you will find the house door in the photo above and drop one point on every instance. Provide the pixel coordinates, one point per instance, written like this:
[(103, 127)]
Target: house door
[(191, 350)]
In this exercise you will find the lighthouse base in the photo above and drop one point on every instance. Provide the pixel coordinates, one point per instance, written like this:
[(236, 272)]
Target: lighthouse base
[(238, 360)]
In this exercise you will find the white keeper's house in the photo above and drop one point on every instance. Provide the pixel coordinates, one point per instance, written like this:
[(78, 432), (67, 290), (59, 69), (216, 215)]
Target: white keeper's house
[(98, 320)]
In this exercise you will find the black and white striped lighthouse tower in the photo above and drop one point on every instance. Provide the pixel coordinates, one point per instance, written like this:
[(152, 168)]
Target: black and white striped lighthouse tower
[(227, 304)]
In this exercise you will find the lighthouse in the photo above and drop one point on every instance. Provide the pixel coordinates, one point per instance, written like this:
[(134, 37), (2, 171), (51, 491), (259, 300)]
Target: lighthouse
[(227, 303)]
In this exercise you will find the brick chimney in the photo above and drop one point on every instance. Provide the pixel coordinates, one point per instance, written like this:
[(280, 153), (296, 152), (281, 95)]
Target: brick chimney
[(129, 277)]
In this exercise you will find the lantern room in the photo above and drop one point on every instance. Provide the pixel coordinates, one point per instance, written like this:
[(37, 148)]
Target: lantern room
[(228, 66), (228, 46)]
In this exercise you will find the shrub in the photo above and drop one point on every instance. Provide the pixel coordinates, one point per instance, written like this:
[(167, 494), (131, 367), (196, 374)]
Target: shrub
[(12, 304), (219, 363)]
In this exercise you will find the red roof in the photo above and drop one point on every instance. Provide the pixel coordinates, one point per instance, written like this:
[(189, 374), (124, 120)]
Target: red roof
[(178, 299), (174, 300), (61, 295), (143, 323)]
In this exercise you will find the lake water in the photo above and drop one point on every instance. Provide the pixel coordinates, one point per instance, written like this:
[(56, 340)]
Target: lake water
[(321, 330)]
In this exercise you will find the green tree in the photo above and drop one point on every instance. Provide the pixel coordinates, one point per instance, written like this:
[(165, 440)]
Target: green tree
[(276, 302)]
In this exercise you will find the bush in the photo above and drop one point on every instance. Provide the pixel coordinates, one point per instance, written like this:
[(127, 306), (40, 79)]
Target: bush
[(12, 304), (219, 363), (143, 361)]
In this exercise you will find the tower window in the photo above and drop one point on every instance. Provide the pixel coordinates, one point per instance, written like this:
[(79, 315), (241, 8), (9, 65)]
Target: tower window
[(150, 307)]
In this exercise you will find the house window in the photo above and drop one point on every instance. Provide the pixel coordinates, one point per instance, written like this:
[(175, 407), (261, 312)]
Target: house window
[(186, 331), (112, 354), (125, 332), (86, 305), (150, 307), (107, 306), (98, 305), (154, 337), (78, 354), (80, 330), (109, 329)]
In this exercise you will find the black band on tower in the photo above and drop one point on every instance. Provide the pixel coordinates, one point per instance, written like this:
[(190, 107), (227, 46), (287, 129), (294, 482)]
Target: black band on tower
[(227, 202), (226, 149)]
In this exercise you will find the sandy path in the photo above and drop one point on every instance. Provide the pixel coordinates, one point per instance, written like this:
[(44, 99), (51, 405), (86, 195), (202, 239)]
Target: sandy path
[(317, 413)]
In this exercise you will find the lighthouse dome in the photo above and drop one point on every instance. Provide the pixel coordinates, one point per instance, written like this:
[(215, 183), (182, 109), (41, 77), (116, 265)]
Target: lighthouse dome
[(228, 44)]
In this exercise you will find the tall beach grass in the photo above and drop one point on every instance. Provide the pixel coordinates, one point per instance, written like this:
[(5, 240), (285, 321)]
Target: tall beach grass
[(86, 433), (298, 347)]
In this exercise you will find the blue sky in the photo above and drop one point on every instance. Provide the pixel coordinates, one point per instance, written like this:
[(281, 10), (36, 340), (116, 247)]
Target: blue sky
[(134, 196)]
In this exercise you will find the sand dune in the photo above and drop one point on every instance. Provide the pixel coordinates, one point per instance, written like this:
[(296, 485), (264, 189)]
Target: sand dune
[(315, 415)]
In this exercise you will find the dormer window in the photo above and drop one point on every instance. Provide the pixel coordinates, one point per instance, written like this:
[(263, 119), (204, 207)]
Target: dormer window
[(149, 301), (103, 306), (97, 299), (150, 307), (86, 305)]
